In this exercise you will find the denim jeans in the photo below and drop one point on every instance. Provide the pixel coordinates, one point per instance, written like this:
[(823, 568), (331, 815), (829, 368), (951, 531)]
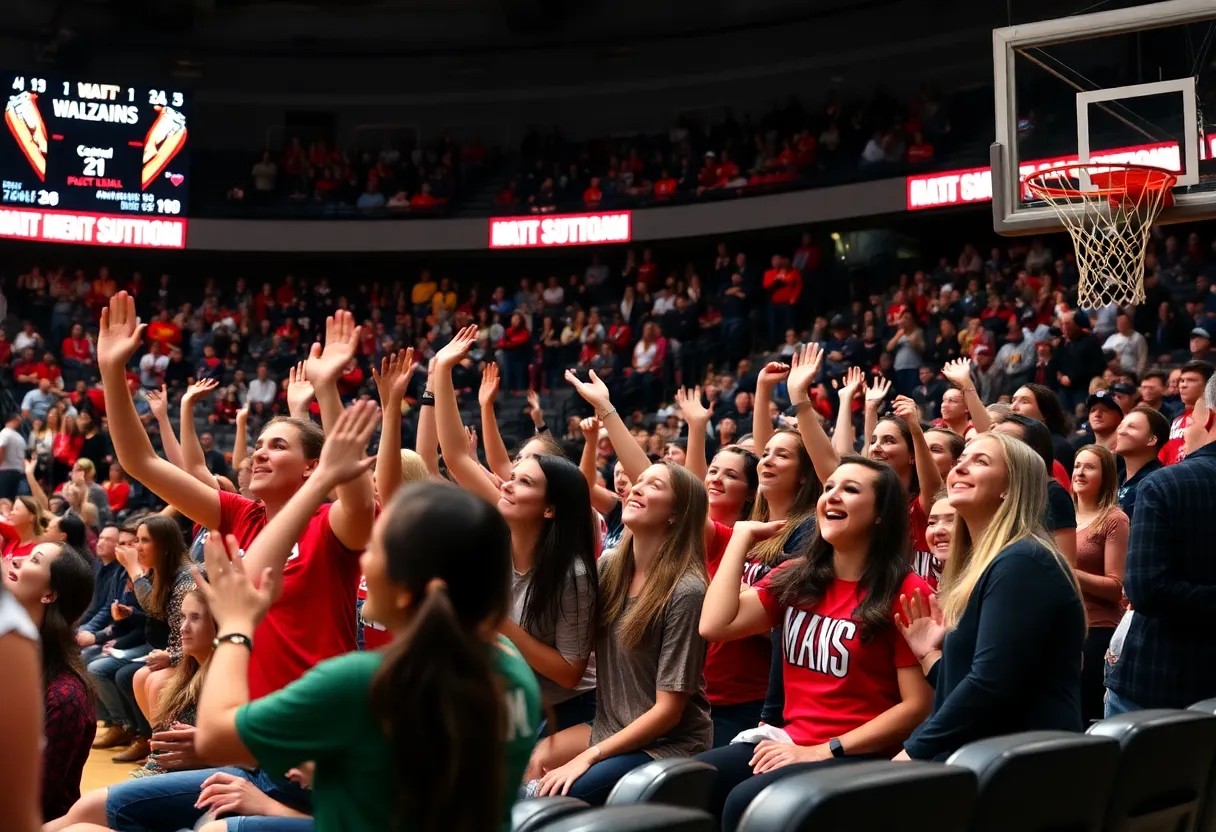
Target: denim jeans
[(109, 700), (729, 720), (1116, 704), (271, 824), (165, 803), (597, 782), (133, 715)]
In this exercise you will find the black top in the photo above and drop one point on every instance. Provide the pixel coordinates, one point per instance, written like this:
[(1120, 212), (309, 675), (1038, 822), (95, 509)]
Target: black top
[(1063, 451), (1013, 663), (1060, 513), (1128, 487)]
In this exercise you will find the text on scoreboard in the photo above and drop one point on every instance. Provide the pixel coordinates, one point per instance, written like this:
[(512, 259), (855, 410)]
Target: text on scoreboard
[(97, 148)]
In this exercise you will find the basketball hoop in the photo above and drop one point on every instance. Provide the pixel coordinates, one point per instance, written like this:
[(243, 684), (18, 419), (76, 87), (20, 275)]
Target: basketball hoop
[(1108, 209)]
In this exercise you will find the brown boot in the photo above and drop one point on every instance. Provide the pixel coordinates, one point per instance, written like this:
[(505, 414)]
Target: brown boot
[(136, 752), (113, 736)]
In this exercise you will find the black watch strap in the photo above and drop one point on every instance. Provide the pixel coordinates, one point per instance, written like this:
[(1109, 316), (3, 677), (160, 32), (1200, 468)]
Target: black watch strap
[(836, 748), (235, 638)]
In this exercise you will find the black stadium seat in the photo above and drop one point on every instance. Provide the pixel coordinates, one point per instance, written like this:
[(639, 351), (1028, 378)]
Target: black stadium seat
[(910, 797), (676, 781), (637, 818), (533, 815), (1069, 775), (1207, 821), (1164, 769)]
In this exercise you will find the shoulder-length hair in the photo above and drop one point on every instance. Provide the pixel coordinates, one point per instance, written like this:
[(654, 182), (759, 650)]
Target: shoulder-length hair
[(681, 554), (171, 556), (773, 550), (1108, 492), (804, 582)]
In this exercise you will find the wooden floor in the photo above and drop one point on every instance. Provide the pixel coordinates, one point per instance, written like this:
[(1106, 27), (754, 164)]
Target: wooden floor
[(100, 771)]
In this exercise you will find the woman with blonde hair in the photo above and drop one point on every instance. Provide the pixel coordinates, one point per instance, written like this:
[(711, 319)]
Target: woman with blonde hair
[(1003, 647), (1102, 532)]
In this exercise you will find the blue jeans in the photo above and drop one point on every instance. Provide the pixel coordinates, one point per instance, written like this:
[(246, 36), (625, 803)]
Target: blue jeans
[(577, 711), (165, 803), (729, 720), (1114, 704), (271, 824), (133, 716), (595, 785), (109, 700)]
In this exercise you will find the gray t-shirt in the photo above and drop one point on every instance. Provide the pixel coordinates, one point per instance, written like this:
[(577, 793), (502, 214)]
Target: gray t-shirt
[(672, 659), (571, 635), (12, 450)]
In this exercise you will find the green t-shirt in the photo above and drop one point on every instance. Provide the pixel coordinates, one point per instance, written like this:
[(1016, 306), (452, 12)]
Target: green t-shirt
[(325, 716)]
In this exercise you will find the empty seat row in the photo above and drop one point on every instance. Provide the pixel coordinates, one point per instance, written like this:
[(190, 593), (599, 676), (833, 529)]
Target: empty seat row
[(1147, 771)]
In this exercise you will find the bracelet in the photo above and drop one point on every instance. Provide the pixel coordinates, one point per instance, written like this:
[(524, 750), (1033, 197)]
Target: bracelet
[(234, 638), (542, 428), (427, 399), (605, 414)]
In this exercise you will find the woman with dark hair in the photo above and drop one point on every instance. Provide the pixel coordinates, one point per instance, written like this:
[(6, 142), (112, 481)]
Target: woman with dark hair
[(555, 592), (22, 703), (1043, 405), (55, 585), (159, 569), (835, 605), (68, 528), (443, 718)]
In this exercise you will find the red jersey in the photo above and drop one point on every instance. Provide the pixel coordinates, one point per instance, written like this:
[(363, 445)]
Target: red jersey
[(77, 349), (313, 619), (923, 563), (1172, 452), (12, 547), (834, 681), (736, 671)]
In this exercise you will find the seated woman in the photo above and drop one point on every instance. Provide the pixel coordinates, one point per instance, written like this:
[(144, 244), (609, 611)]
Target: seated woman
[(54, 585), (862, 696), (1003, 648)]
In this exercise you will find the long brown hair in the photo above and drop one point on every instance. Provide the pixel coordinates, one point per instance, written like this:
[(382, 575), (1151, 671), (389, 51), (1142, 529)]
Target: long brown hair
[(171, 556), (72, 581), (437, 687), (772, 550), (681, 553), (182, 691), (1108, 493)]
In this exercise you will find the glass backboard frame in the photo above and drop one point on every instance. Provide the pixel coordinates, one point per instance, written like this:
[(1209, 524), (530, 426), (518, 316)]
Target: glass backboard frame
[(1009, 216)]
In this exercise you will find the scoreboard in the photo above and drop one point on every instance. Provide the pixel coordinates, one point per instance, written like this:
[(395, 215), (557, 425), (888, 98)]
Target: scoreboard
[(83, 161)]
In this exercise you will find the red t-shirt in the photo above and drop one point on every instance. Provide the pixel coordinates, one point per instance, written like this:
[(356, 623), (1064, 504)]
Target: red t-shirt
[(77, 349), (314, 617), (12, 546), (923, 563), (1060, 475), (1172, 452), (834, 681), (736, 671)]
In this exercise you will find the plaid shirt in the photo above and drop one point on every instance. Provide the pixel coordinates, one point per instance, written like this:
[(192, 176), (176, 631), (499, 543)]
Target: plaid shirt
[(1169, 656)]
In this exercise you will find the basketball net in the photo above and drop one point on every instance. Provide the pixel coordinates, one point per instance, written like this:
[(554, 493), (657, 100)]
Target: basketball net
[(1109, 223)]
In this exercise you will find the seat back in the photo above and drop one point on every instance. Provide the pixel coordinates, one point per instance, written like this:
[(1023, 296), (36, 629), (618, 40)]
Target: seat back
[(1207, 821), (875, 795), (636, 818), (675, 781), (1041, 780), (1164, 769), (534, 814)]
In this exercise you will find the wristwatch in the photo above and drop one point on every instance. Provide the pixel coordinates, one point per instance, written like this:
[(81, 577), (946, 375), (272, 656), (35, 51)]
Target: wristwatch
[(836, 748)]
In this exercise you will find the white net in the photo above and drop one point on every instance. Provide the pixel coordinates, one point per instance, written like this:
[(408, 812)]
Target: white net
[(1109, 223)]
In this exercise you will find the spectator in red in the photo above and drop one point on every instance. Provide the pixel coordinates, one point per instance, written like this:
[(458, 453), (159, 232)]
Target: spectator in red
[(226, 407), (263, 302), (919, 150), (164, 330), (77, 349), (6, 349), (48, 368), (516, 346), (784, 287), (593, 196), (285, 295), (648, 270), (117, 488), (666, 185), (1192, 379), (423, 199), (350, 380)]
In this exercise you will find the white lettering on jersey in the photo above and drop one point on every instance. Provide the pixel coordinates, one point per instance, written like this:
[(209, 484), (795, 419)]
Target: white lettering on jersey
[(517, 715), (818, 643)]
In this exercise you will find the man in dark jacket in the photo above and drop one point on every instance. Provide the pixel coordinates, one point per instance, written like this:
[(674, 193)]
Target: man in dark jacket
[(1080, 358)]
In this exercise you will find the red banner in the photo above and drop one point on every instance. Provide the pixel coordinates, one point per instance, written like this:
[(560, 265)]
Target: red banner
[(561, 230), (92, 229)]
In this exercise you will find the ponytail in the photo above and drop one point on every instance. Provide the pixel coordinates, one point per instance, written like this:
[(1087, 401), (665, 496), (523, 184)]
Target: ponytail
[(439, 700)]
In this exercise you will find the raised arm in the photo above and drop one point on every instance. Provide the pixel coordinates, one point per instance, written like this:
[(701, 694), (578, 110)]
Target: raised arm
[(158, 400), (729, 613), (392, 380), (453, 441), (928, 476), (603, 499), (536, 413), (958, 373), (497, 458), (842, 437), (773, 373), (120, 335), (355, 508), (240, 444), (875, 396), (696, 416), (31, 479), (427, 442), (595, 393), (299, 391), (192, 452), (804, 367)]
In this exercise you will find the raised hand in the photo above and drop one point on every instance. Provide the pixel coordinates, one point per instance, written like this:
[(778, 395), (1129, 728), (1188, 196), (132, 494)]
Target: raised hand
[(394, 377), (242, 415), (907, 410), (854, 380), (158, 400), (472, 434), (299, 389), (877, 393), (488, 391), (455, 350), (198, 390), (594, 391), (772, 373), (958, 372), (591, 428), (804, 368), (326, 364), (120, 333), (342, 455), (534, 408), (232, 596), (920, 621), (689, 402)]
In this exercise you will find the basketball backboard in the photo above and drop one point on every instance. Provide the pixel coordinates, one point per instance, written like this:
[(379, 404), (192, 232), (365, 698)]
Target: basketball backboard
[(1126, 85)]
